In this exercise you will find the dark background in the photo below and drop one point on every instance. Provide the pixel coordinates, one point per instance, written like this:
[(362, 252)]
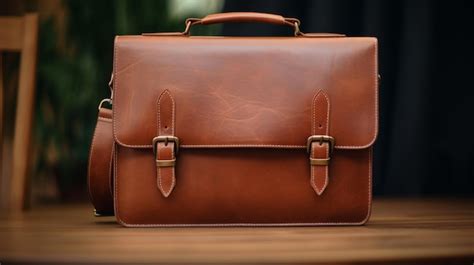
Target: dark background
[(425, 145)]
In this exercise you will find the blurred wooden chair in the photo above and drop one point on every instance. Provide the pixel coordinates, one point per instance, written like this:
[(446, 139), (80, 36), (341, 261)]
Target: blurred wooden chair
[(18, 34)]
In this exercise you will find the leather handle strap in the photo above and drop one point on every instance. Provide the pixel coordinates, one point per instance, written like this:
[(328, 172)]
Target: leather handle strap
[(243, 17), (246, 17)]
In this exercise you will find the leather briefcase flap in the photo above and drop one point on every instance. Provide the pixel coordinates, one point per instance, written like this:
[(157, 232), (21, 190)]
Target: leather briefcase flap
[(245, 92)]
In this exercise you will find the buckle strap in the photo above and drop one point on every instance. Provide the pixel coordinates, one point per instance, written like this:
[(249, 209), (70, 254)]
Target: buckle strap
[(320, 144), (165, 145)]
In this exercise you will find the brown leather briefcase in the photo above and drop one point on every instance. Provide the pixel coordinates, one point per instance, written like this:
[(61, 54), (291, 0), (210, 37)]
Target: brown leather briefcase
[(237, 131)]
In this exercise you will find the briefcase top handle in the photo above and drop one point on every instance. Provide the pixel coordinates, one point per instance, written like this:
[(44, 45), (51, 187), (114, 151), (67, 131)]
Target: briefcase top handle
[(245, 17)]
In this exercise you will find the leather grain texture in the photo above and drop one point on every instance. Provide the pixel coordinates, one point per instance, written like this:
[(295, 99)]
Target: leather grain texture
[(243, 108), (245, 91), (225, 187)]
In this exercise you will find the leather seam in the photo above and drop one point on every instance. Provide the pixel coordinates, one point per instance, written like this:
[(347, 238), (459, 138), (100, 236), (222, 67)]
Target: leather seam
[(312, 172), (243, 145), (158, 170), (326, 168), (275, 146)]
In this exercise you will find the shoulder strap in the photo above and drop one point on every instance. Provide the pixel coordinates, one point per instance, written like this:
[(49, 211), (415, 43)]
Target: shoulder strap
[(100, 171)]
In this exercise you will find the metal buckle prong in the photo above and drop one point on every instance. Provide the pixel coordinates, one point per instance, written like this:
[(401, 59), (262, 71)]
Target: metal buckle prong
[(321, 139), (166, 139)]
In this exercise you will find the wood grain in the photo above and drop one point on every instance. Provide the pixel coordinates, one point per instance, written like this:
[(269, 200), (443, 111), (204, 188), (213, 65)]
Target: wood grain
[(400, 231), (24, 114), (19, 34)]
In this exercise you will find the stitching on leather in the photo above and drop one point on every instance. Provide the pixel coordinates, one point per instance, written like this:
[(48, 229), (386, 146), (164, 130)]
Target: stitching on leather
[(312, 171), (328, 110), (158, 172), (173, 179), (244, 145), (326, 168), (166, 92), (313, 125), (313, 109), (166, 193), (173, 116), (376, 87), (318, 190), (313, 154), (172, 113), (276, 146)]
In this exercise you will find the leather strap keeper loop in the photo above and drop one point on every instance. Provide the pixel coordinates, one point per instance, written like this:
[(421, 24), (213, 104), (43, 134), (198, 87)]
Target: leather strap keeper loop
[(166, 163), (319, 161)]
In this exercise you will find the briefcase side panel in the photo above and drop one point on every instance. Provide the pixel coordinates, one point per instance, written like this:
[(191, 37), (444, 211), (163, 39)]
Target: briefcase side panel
[(242, 187)]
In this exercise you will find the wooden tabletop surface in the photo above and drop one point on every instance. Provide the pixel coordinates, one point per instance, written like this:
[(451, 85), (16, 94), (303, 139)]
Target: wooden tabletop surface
[(399, 231)]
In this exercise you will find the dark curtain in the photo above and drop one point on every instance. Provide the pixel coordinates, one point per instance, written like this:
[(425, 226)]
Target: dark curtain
[(426, 138)]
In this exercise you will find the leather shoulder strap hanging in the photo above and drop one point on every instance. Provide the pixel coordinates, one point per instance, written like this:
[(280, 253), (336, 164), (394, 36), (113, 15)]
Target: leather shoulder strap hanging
[(100, 171)]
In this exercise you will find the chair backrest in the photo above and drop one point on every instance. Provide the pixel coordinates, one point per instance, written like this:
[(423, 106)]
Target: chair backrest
[(18, 34)]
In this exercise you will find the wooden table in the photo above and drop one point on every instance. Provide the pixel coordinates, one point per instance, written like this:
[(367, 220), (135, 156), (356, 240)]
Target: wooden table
[(399, 231)]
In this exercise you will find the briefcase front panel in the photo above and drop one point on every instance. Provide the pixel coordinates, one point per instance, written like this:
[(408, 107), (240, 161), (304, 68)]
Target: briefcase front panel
[(265, 131)]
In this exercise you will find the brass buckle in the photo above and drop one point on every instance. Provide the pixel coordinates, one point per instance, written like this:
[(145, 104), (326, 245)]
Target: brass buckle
[(321, 139), (166, 139)]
